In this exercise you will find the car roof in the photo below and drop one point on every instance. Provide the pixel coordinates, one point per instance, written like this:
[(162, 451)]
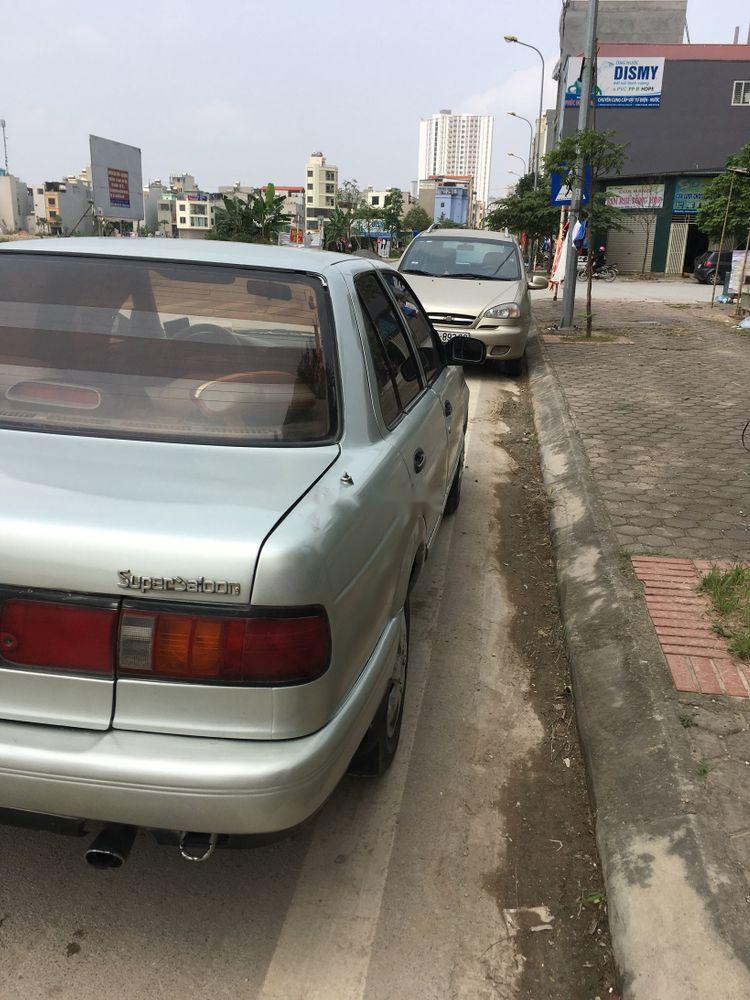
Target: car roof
[(196, 251), (468, 234)]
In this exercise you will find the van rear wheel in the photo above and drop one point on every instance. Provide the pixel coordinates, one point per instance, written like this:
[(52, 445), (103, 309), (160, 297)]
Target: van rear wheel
[(378, 747)]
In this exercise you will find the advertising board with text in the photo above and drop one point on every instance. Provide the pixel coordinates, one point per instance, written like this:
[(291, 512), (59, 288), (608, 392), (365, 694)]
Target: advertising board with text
[(638, 196), (116, 179), (621, 81)]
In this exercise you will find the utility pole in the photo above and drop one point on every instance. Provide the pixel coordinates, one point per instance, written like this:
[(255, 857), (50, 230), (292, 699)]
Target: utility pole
[(5, 143), (589, 63)]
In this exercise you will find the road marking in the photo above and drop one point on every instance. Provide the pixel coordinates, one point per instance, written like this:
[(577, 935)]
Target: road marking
[(324, 947)]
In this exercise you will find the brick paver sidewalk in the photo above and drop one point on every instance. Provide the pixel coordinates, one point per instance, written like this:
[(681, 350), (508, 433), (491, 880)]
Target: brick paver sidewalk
[(661, 421), (698, 659)]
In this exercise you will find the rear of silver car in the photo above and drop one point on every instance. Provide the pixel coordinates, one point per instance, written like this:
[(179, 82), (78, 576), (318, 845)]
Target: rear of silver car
[(157, 422)]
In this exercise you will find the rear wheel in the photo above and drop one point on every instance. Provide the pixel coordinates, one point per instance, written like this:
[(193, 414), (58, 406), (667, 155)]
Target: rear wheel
[(378, 748)]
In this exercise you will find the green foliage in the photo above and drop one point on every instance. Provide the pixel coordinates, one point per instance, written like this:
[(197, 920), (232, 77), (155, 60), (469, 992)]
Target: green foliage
[(598, 150), (525, 211), (417, 219), (350, 196), (257, 220), (710, 218), (338, 225), (449, 224), (729, 591), (393, 209)]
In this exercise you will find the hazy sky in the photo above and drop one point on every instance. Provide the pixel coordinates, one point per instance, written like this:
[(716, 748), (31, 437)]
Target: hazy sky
[(243, 90)]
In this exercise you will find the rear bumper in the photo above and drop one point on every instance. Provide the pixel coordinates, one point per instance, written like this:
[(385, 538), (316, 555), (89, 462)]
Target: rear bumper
[(185, 782)]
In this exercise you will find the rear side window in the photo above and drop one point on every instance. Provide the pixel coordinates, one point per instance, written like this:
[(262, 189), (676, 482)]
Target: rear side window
[(164, 351), (427, 343), (396, 349)]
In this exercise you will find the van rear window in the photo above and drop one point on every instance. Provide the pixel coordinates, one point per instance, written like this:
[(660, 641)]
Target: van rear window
[(164, 351)]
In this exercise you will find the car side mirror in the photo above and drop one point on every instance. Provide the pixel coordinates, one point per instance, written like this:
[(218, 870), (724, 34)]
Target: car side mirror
[(537, 283), (465, 351)]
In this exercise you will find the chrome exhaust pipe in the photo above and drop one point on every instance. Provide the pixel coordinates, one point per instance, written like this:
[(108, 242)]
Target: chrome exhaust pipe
[(197, 846), (110, 849)]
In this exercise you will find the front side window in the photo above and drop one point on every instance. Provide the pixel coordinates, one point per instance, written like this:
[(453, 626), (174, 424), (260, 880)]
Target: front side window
[(741, 93), (453, 257), (427, 343), (398, 353), (164, 351)]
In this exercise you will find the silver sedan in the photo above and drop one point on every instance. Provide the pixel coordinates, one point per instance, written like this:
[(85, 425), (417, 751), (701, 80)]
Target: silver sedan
[(222, 468)]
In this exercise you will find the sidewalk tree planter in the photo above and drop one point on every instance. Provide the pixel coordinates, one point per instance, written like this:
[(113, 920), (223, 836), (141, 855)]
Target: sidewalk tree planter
[(603, 157)]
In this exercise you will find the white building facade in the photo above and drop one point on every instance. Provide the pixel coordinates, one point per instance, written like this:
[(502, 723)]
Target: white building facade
[(16, 204), (457, 145), (321, 188)]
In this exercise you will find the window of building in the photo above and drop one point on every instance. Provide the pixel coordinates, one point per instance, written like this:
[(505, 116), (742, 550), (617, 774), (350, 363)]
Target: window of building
[(330, 175), (741, 93), (391, 351), (330, 188), (309, 173), (376, 200), (183, 220), (329, 201), (52, 202), (309, 199)]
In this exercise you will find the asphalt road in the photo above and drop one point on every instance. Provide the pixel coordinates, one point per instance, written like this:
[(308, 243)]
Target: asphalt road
[(390, 893)]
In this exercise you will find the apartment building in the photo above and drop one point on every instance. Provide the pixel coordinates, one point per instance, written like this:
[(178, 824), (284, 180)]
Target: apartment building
[(195, 214), (448, 197), (458, 145), (376, 199), (16, 205), (65, 207), (321, 186)]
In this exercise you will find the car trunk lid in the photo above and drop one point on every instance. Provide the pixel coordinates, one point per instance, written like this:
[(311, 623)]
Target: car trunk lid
[(120, 518)]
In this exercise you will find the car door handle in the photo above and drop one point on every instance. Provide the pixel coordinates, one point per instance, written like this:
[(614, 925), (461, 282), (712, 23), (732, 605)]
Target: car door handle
[(448, 408), (420, 460)]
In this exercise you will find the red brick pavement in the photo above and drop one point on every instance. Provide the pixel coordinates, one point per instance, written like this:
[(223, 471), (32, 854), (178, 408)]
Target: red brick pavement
[(698, 659)]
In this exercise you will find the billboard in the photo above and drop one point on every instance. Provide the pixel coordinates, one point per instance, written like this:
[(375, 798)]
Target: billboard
[(116, 179), (688, 194), (642, 196), (621, 81)]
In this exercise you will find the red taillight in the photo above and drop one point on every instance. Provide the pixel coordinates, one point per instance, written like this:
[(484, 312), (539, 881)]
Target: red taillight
[(269, 650), (57, 635)]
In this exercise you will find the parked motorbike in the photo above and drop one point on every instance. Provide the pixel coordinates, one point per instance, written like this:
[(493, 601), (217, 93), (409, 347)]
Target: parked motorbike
[(604, 272)]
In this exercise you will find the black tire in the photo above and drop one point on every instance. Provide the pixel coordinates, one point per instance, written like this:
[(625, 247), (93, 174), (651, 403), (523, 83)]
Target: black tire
[(454, 494), (708, 278), (516, 366), (378, 747)]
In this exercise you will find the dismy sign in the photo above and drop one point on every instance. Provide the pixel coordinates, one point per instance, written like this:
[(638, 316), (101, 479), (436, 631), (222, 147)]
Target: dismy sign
[(621, 81)]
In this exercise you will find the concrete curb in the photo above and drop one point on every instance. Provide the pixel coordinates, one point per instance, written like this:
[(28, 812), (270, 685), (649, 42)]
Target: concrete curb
[(676, 896)]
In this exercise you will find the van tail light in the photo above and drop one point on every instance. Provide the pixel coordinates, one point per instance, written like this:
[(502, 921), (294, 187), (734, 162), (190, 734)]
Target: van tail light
[(281, 649), (58, 635)]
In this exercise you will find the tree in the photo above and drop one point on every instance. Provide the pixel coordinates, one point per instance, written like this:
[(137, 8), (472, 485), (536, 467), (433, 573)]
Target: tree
[(598, 153), (350, 196), (417, 219), (257, 220), (338, 226), (393, 209), (449, 224), (710, 217), (525, 210)]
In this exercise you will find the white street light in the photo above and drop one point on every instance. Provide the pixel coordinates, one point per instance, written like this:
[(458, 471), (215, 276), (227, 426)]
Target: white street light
[(516, 41)]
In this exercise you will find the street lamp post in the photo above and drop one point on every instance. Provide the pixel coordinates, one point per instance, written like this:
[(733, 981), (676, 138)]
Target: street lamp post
[(531, 132), (525, 170), (516, 41)]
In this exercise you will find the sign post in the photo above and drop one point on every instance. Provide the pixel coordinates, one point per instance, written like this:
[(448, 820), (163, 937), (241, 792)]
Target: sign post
[(569, 286)]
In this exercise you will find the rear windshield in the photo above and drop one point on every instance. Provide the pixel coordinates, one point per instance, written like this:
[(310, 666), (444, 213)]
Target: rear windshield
[(164, 351)]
